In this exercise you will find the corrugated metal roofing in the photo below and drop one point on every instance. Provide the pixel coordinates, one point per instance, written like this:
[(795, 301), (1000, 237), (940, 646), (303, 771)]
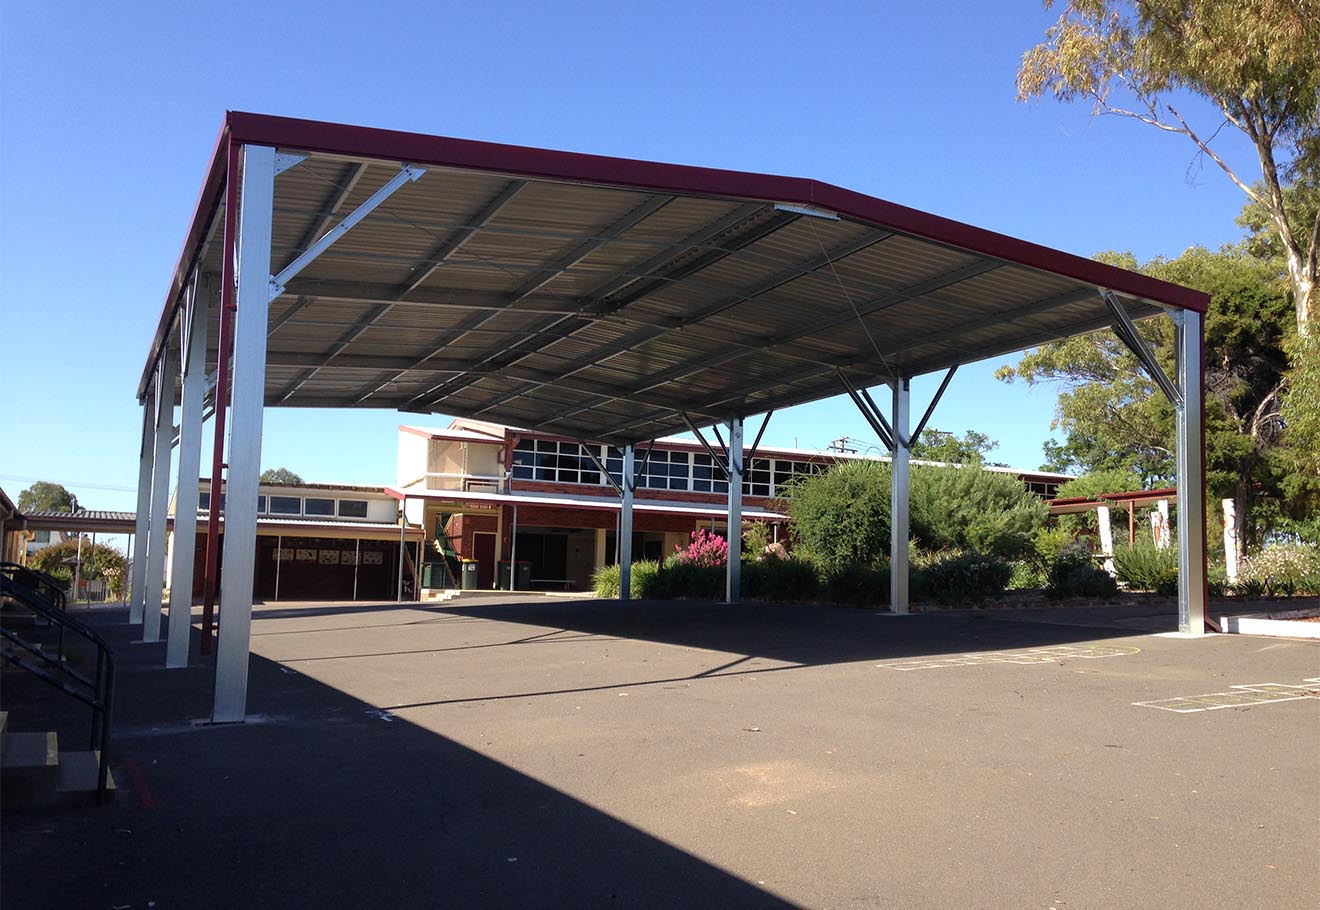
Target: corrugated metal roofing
[(602, 298)]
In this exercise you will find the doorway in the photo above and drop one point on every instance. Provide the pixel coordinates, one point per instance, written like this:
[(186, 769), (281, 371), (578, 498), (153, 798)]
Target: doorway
[(483, 551)]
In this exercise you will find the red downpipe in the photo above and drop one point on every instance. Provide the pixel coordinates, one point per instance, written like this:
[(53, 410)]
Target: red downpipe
[(227, 310)]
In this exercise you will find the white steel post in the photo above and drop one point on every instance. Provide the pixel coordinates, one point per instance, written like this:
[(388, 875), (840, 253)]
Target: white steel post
[(185, 498), (245, 424), (734, 456), (624, 537), (137, 585), (158, 519), (1191, 477), (898, 504)]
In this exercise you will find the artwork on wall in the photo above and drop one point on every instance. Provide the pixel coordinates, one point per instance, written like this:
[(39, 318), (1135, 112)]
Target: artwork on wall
[(373, 558)]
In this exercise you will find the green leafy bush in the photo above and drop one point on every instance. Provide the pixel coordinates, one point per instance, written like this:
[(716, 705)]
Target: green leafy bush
[(972, 509), (780, 579), (605, 580), (1027, 576), (960, 578), (98, 562), (841, 518), (673, 579), (1074, 574), (1146, 567), (857, 586)]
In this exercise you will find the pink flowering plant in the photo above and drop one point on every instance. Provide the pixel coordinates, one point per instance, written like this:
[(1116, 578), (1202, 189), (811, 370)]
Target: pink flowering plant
[(705, 549)]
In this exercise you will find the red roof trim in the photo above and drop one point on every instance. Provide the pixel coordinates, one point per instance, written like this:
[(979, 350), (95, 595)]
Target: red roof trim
[(333, 138)]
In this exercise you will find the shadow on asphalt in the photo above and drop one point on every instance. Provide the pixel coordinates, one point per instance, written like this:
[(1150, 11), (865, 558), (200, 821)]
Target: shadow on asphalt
[(804, 634), (317, 802)]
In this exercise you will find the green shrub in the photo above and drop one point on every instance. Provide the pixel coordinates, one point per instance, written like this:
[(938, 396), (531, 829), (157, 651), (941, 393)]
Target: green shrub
[(98, 562), (969, 508), (1145, 567), (1074, 574), (1027, 576), (857, 586), (1280, 571), (960, 578), (841, 518), (674, 579), (605, 580), (780, 579)]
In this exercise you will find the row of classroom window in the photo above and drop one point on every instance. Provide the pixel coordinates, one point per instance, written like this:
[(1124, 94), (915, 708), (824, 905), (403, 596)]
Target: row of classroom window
[(568, 462), (315, 506)]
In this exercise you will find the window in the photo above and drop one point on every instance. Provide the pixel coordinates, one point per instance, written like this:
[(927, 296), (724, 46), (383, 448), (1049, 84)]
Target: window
[(352, 508), (261, 505), (553, 462), (706, 476), (756, 478), (41, 536), (317, 506), (285, 505), (204, 501)]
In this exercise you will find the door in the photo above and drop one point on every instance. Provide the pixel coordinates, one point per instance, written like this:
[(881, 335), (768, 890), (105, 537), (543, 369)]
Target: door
[(483, 551)]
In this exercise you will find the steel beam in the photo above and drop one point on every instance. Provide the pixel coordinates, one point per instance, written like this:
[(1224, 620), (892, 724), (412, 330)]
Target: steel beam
[(733, 571), (626, 524), (137, 583), (1190, 455), (930, 409), (352, 173), (255, 219), (158, 520), (407, 174), (190, 463), (898, 511), (1126, 330)]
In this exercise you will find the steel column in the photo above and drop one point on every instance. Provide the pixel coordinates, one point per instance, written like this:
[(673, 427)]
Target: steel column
[(229, 248), (1192, 592), (624, 537), (735, 459), (158, 519), (256, 214), (190, 460), (403, 544), (137, 586), (898, 503)]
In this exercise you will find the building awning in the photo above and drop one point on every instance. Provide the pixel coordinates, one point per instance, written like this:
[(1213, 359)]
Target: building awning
[(597, 503), (605, 298)]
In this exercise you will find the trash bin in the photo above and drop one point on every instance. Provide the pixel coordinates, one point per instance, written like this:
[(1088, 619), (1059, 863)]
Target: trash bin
[(469, 575), (428, 570), (523, 577)]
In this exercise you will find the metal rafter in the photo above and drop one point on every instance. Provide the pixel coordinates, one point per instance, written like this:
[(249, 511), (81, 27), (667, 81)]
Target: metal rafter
[(550, 273), (653, 330)]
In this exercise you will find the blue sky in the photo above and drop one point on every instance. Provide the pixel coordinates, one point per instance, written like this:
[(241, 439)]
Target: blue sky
[(108, 113)]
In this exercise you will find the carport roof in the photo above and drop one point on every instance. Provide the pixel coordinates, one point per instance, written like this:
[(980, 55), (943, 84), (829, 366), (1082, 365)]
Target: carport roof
[(603, 298)]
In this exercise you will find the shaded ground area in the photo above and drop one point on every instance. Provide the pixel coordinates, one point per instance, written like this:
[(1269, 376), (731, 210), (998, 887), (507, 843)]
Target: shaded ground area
[(556, 753)]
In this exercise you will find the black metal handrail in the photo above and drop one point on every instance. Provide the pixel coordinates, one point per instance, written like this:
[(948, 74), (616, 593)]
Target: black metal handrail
[(97, 691), (47, 586)]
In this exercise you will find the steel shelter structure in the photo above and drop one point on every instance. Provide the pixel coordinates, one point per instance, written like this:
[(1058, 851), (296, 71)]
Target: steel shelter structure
[(595, 298)]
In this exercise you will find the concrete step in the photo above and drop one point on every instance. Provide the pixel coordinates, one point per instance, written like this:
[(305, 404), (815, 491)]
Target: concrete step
[(76, 781), (29, 766)]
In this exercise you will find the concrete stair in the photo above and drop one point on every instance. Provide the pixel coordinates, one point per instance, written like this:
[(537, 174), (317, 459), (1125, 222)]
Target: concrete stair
[(35, 773)]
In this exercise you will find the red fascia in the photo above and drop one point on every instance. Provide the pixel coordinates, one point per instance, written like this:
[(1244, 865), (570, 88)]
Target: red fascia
[(651, 176)]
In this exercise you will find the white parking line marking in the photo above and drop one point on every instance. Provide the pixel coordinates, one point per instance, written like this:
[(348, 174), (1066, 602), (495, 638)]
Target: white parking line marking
[(1238, 697), (1046, 655)]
